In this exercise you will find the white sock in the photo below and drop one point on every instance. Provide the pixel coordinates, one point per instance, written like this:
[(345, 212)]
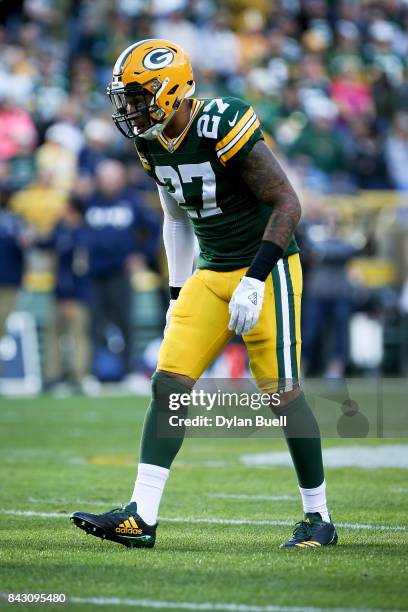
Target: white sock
[(314, 500), (148, 491)]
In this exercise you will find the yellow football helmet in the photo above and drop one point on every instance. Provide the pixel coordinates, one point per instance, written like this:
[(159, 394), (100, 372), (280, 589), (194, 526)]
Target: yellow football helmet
[(158, 74)]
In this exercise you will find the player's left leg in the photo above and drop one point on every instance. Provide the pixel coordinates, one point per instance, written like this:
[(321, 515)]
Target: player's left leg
[(197, 332), (274, 352)]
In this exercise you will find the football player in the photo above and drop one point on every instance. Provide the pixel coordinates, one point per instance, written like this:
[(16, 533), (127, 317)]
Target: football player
[(217, 179)]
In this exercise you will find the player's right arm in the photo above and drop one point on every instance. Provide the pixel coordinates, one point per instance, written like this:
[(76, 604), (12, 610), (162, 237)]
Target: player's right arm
[(179, 242), (178, 233)]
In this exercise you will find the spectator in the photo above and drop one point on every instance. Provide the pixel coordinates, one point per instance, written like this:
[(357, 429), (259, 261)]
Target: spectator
[(16, 128), (122, 235), (40, 203), (11, 254), (396, 152), (99, 135), (367, 156), (352, 96), (327, 304), (56, 159), (67, 344), (318, 144)]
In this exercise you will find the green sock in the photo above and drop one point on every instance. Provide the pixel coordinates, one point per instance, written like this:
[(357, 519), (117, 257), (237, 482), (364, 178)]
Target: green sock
[(161, 442), (303, 439)]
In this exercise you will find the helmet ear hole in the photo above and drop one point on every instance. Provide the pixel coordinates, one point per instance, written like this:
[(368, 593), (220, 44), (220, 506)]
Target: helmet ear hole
[(173, 90)]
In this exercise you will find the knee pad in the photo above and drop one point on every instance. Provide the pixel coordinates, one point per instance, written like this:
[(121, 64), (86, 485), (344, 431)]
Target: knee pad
[(166, 392)]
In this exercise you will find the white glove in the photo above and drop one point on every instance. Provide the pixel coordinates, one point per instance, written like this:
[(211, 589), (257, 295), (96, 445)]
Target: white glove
[(168, 314), (246, 304)]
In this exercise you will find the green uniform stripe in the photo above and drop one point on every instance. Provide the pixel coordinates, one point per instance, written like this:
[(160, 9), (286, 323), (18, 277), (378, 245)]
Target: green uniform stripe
[(292, 319), (279, 325)]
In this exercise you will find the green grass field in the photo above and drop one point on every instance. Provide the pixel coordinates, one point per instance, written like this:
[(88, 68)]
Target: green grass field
[(216, 548)]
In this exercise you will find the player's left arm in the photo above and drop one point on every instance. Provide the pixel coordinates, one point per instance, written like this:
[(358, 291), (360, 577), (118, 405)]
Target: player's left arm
[(267, 181), (269, 184)]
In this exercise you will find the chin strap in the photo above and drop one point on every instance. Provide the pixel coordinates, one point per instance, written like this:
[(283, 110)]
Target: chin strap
[(156, 129), (153, 132)]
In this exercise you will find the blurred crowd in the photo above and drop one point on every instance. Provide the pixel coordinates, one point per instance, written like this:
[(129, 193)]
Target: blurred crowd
[(328, 79)]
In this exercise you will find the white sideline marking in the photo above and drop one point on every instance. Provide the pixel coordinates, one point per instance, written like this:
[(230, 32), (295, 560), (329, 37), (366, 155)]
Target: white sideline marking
[(253, 497), (32, 513), (218, 521), (399, 490), (215, 521), (207, 606), (370, 457)]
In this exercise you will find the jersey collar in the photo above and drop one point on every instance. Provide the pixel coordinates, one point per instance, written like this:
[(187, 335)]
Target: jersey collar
[(172, 144)]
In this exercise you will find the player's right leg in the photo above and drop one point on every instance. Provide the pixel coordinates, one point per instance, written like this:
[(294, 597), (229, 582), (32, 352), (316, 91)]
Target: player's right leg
[(274, 351), (197, 332)]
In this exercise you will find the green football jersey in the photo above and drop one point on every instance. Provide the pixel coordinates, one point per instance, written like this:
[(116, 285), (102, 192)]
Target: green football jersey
[(200, 169)]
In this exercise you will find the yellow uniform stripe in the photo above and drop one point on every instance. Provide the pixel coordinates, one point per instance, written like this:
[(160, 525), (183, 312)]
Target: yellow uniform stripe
[(133, 522), (241, 142), (222, 143), (144, 163)]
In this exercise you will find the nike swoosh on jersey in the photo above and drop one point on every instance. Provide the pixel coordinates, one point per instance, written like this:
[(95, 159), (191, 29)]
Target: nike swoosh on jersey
[(234, 120)]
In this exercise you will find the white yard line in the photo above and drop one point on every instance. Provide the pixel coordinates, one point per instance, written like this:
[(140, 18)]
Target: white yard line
[(214, 521), (33, 513), (356, 456), (205, 607), (218, 521)]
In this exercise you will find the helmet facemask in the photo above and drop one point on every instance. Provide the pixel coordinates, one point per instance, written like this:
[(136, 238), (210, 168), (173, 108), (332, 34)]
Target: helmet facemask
[(125, 119)]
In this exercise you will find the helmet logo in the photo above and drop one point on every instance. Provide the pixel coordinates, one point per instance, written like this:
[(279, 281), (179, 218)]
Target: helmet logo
[(158, 58)]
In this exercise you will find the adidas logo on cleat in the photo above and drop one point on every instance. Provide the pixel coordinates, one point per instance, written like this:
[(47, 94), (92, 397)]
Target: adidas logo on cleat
[(306, 543), (129, 527)]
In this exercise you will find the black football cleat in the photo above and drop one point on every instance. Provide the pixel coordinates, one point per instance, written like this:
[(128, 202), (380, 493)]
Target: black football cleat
[(121, 525), (312, 532)]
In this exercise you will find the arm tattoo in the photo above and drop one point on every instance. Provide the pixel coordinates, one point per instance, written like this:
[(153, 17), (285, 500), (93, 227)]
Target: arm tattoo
[(269, 184)]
